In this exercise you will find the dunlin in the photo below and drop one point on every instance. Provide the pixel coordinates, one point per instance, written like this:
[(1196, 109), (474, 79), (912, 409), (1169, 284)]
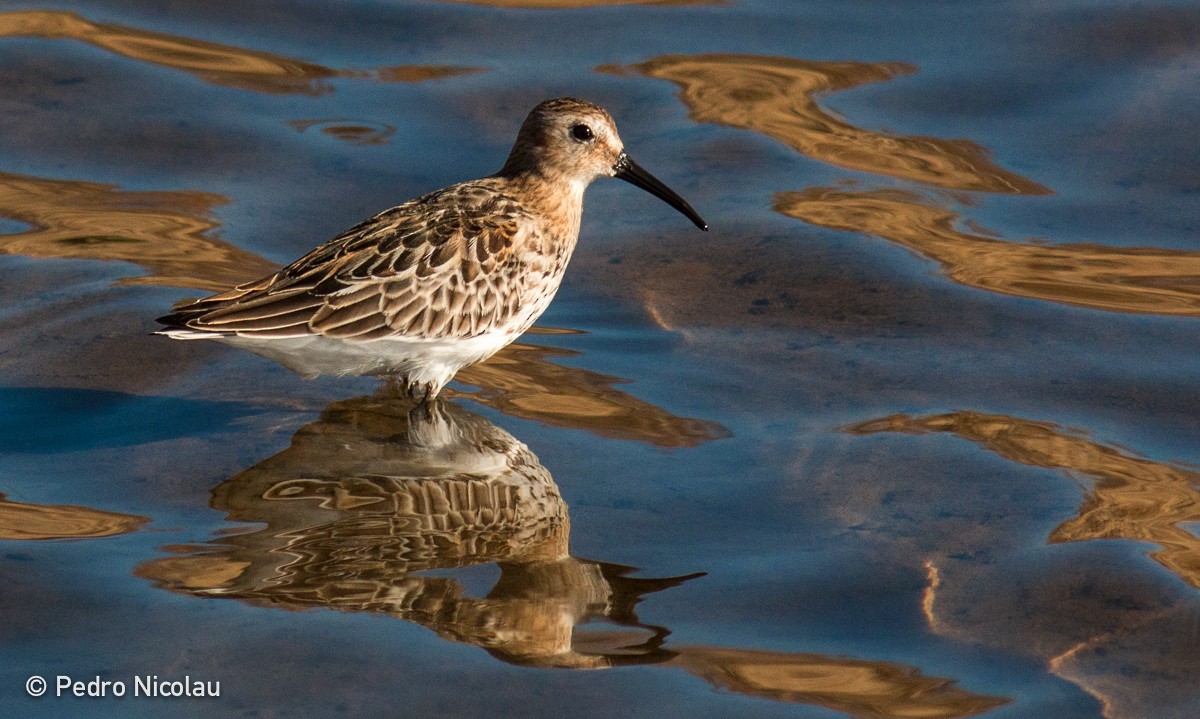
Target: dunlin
[(428, 287)]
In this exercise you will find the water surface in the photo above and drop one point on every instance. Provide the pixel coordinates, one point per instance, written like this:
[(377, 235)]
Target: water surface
[(910, 432)]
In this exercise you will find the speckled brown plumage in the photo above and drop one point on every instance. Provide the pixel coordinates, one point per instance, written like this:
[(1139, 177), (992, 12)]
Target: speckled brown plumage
[(443, 265)]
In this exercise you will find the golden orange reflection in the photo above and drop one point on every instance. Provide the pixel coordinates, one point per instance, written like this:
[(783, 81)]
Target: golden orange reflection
[(61, 521), (1120, 279), (775, 96), (869, 690), (1131, 497), (522, 382), (370, 497), (209, 61), (170, 234)]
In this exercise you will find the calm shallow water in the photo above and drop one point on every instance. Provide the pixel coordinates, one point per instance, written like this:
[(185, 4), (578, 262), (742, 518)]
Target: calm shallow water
[(921, 408)]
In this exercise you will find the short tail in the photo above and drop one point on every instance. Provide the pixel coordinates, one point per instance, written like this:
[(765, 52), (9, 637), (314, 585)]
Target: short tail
[(175, 326)]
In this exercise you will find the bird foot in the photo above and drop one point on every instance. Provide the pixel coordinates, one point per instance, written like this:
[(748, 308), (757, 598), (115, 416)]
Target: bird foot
[(418, 394)]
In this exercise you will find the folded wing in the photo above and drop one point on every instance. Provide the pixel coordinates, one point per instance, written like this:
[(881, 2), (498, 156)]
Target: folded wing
[(436, 267)]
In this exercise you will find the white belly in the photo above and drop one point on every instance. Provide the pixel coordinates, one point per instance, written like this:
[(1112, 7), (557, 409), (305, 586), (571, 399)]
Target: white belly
[(419, 361), (423, 361)]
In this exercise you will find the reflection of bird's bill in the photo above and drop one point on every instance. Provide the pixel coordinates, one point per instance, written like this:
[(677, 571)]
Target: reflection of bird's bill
[(599, 649), (372, 493), (603, 646)]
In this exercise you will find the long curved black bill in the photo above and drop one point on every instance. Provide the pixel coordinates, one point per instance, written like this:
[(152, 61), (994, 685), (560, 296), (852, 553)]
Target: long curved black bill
[(633, 173)]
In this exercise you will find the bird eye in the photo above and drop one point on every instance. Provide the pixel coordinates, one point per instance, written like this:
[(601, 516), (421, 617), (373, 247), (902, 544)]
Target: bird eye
[(582, 133)]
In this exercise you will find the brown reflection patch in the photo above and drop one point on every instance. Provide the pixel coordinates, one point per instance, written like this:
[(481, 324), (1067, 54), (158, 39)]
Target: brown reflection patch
[(1120, 279), (209, 61), (62, 521), (864, 689), (521, 382), (167, 233), (775, 96), (193, 573), (1131, 497), (354, 132)]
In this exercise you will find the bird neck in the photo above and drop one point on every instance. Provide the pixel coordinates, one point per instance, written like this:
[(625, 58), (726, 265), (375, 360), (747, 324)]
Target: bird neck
[(557, 197)]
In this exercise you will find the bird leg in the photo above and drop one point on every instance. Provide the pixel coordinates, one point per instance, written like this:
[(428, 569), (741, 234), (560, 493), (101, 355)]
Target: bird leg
[(428, 393), (400, 387)]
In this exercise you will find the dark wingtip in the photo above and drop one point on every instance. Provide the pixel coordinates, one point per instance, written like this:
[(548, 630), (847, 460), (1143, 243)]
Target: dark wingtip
[(172, 320)]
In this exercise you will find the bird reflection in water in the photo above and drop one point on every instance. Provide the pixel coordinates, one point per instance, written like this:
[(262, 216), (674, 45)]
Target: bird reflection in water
[(369, 497), (371, 500)]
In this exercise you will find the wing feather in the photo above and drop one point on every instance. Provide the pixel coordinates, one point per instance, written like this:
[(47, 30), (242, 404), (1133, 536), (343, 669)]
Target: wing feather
[(329, 318), (263, 309), (427, 269), (287, 322), (357, 328)]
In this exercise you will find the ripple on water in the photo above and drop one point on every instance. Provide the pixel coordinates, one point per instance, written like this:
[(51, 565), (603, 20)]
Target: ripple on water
[(19, 520), (170, 233), (1146, 280), (1131, 497), (352, 132), (776, 97), (1079, 612), (220, 64)]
